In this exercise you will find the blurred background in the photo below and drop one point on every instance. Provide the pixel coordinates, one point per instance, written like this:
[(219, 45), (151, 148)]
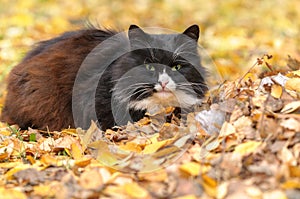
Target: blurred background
[(233, 32)]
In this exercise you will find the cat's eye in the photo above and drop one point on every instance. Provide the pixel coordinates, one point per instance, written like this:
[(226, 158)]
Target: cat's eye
[(150, 67), (176, 67)]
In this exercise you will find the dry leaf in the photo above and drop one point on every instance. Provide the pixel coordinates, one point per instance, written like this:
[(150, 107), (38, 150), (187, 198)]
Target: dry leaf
[(293, 84), (247, 147), (194, 168), (211, 121), (210, 185), (152, 148), (76, 151), (91, 179), (291, 124), (291, 107), (12, 193), (135, 191), (276, 91), (44, 190)]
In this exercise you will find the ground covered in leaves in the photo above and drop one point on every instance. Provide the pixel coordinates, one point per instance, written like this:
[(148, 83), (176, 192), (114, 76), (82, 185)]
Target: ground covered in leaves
[(244, 142)]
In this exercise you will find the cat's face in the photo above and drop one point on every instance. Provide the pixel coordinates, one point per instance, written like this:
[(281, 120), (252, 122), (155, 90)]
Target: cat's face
[(161, 71)]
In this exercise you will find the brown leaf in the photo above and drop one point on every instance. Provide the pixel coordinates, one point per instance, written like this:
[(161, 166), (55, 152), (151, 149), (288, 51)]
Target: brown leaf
[(91, 179)]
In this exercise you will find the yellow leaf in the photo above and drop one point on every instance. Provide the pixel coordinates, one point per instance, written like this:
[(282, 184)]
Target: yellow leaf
[(144, 121), (131, 146), (209, 185), (83, 162), (134, 190), (247, 147), (72, 132), (8, 165), (294, 171), (22, 20), (30, 159), (103, 153), (6, 193), (167, 152), (44, 190), (156, 176), (250, 76), (76, 151), (293, 84), (187, 197), (295, 73), (151, 148), (49, 160), (276, 91), (194, 168), (5, 132), (60, 24), (291, 184), (16, 169)]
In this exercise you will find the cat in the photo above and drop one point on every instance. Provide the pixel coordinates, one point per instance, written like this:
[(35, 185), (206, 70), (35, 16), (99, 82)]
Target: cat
[(63, 82)]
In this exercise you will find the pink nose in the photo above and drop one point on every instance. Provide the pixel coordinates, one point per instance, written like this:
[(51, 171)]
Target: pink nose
[(163, 84)]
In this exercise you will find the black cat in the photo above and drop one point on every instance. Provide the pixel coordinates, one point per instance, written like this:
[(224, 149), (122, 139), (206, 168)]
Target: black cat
[(106, 76)]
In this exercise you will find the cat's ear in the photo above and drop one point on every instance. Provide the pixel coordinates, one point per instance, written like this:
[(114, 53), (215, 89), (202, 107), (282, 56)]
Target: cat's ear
[(137, 35), (193, 32)]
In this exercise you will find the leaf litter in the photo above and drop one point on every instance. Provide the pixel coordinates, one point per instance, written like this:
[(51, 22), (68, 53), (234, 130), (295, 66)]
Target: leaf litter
[(245, 144)]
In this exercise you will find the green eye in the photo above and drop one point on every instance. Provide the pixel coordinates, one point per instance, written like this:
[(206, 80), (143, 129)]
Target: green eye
[(150, 67), (176, 68)]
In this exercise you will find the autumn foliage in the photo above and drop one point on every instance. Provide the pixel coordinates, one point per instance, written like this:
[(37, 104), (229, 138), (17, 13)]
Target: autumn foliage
[(243, 142)]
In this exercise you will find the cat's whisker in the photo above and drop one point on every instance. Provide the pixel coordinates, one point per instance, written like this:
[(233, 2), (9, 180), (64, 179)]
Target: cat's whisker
[(191, 88), (120, 79), (142, 91), (147, 85), (192, 84)]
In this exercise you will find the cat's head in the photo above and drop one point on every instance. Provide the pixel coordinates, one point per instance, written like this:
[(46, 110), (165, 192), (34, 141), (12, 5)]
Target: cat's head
[(161, 70)]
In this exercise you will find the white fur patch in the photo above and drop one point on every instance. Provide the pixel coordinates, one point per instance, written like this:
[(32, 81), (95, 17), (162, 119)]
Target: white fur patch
[(164, 77), (166, 97), (157, 101)]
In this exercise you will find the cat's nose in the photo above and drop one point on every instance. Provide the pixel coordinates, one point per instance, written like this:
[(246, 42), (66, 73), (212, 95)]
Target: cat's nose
[(163, 84)]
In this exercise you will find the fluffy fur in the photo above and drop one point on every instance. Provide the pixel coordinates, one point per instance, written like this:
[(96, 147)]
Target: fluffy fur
[(40, 88)]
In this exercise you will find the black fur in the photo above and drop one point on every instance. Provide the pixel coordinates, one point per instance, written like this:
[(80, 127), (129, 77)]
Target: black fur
[(41, 90)]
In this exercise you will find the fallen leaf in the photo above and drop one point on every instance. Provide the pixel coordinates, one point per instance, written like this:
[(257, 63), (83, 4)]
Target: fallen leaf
[(210, 185), (291, 107), (12, 193), (135, 191), (247, 147), (10, 174), (6, 149), (291, 184), (91, 179), (152, 148), (274, 194), (276, 91), (186, 197), (194, 168), (76, 151), (44, 190), (293, 84), (291, 124)]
